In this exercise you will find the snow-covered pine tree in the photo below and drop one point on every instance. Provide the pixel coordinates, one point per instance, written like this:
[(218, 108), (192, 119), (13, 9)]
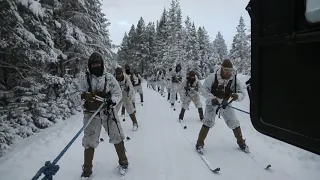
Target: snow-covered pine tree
[(151, 48), (26, 48), (248, 71), (141, 46), (123, 52), (38, 36), (205, 50), (240, 49), (180, 33), (191, 47), (220, 48), (172, 53), (162, 47), (84, 30), (131, 46)]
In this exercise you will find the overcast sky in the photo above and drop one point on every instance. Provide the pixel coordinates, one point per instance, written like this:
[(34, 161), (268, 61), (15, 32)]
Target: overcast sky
[(214, 15)]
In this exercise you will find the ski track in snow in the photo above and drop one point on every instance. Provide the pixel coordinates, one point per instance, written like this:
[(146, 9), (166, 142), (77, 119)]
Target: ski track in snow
[(162, 150)]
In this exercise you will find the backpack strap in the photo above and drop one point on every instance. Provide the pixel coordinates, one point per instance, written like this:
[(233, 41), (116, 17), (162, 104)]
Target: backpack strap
[(215, 77), (235, 83), (89, 81), (105, 84)]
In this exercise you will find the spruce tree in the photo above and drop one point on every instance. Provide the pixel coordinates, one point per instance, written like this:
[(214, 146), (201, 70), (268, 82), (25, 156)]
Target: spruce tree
[(220, 47), (240, 49)]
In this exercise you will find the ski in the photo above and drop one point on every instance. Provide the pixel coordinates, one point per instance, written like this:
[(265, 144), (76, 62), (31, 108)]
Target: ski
[(247, 152), (207, 162)]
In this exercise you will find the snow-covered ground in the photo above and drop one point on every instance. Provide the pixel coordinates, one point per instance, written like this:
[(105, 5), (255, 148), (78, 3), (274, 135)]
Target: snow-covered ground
[(162, 150)]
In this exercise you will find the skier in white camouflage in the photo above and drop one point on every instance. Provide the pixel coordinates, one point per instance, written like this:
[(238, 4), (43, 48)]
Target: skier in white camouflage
[(127, 95), (190, 89), (98, 83), (220, 89), (134, 80), (176, 79), (168, 83), (138, 86), (161, 82)]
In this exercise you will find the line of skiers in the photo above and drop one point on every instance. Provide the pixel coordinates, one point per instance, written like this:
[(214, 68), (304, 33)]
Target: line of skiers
[(119, 90), (219, 89)]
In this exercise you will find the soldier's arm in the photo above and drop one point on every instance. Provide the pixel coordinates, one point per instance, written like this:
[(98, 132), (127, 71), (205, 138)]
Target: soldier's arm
[(205, 89), (115, 90)]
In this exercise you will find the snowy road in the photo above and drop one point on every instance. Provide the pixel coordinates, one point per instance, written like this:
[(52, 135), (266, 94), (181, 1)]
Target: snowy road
[(162, 150)]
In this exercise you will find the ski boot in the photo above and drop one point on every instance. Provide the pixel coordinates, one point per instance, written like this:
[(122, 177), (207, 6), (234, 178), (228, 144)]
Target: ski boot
[(181, 115), (123, 160), (86, 172), (134, 121), (244, 147), (123, 168), (199, 149), (87, 166), (135, 126), (240, 141)]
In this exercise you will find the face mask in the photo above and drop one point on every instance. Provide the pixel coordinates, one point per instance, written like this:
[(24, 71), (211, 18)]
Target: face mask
[(127, 71), (192, 79), (97, 71)]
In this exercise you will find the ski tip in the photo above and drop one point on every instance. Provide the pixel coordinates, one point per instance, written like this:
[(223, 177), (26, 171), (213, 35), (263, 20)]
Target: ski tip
[(216, 170), (268, 167)]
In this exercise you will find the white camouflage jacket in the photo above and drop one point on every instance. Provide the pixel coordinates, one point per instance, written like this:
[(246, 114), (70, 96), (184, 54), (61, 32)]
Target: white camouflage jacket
[(173, 73), (127, 88), (207, 84), (139, 78), (80, 84), (195, 88)]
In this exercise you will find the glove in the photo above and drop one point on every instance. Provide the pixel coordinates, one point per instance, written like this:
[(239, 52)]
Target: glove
[(110, 102), (234, 96), (87, 96), (215, 102), (224, 103)]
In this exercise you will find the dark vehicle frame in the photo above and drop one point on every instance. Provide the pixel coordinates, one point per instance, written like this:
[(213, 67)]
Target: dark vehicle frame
[(285, 82)]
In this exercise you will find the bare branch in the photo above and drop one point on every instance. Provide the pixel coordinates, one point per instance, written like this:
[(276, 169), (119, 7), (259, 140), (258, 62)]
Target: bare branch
[(7, 65)]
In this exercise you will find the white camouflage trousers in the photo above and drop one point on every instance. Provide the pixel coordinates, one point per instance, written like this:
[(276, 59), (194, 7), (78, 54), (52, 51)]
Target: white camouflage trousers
[(162, 86), (175, 87), (195, 98), (92, 131), (127, 103), (227, 114), (139, 89), (168, 86)]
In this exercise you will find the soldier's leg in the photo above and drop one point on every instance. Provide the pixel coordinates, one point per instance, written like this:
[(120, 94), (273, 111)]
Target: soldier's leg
[(208, 122), (185, 105), (130, 110), (90, 141), (116, 135), (233, 123), (197, 103)]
